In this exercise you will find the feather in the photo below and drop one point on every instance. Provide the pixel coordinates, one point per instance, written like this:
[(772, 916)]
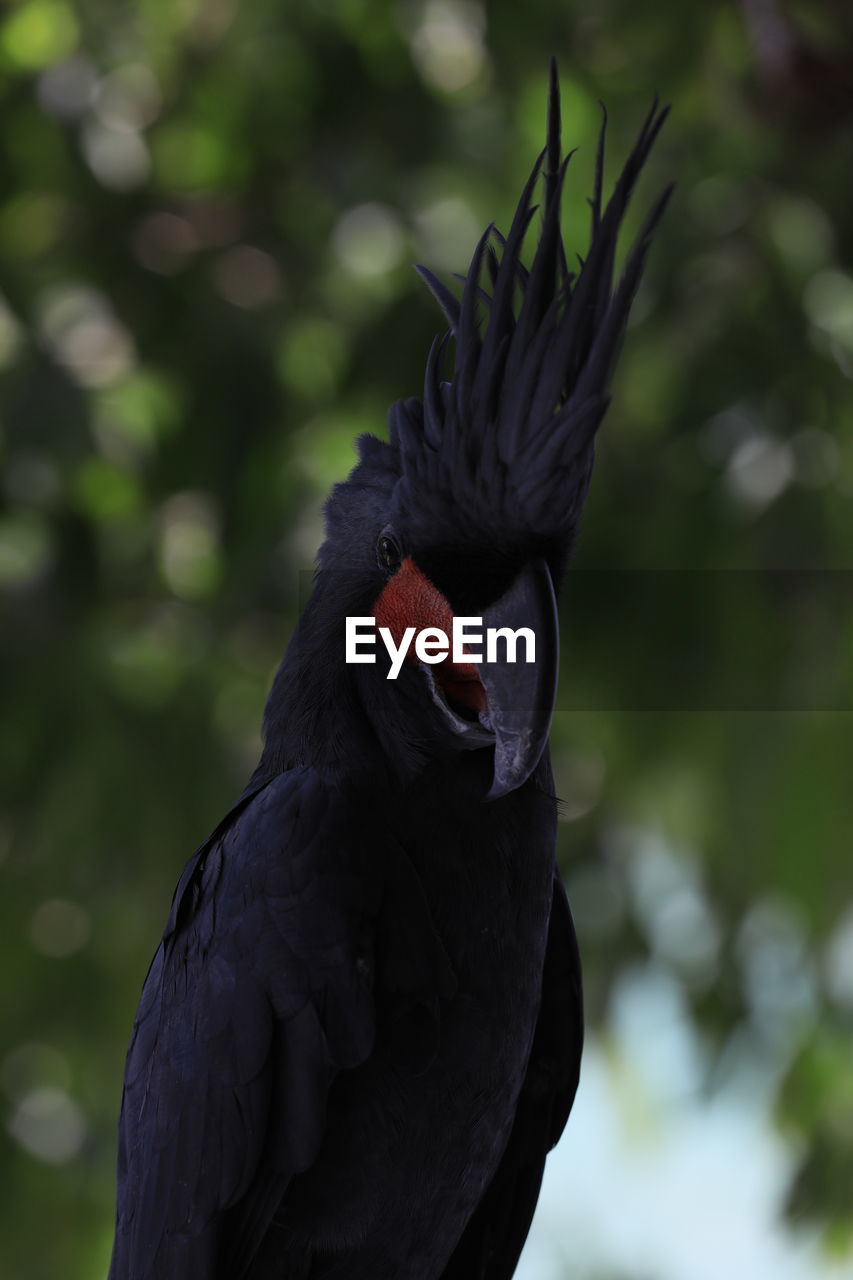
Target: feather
[(530, 373), (445, 299)]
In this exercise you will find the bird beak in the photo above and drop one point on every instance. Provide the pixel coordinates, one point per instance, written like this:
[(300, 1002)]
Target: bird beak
[(521, 694)]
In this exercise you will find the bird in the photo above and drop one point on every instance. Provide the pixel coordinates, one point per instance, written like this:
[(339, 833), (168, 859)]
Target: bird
[(361, 1032)]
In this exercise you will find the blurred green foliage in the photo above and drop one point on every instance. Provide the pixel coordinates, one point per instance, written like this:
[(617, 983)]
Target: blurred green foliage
[(208, 214)]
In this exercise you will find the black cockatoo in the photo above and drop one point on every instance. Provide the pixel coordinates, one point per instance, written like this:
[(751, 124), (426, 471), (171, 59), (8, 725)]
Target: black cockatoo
[(361, 1033)]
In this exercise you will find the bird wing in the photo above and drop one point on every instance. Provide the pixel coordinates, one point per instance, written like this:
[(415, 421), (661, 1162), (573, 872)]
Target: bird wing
[(493, 1239), (254, 1000)]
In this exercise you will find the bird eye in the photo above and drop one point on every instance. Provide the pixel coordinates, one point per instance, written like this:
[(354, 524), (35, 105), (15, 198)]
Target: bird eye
[(387, 552)]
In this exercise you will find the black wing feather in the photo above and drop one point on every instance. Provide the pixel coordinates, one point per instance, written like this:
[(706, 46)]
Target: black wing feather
[(252, 1004), (492, 1242)]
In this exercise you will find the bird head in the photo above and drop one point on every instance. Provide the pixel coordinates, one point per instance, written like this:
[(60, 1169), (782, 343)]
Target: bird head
[(471, 507)]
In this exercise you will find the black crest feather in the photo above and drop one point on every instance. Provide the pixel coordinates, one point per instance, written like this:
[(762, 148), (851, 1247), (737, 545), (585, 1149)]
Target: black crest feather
[(515, 425)]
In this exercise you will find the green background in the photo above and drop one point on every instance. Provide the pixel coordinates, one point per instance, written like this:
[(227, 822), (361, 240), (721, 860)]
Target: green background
[(208, 217)]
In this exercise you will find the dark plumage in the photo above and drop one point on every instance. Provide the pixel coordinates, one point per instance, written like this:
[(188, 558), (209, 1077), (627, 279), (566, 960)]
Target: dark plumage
[(361, 1033)]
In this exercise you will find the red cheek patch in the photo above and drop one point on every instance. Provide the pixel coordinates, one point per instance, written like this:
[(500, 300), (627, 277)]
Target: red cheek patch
[(409, 599)]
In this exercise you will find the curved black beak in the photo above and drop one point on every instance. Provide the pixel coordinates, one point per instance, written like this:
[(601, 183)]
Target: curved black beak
[(521, 694)]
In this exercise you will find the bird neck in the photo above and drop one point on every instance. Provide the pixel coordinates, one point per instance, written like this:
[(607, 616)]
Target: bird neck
[(313, 714)]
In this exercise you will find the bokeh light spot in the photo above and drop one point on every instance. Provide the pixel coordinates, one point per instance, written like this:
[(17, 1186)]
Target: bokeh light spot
[(106, 492), (189, 545), (802, 232), (39, 33), (118, 158), (760, 470), (85, 335), (65, 89), (368, 240), (49, 1125), (724, 432), (164, 243), (188, 157), (446, 228), (128, 99), (778, 971), (247, 277), (448, 44), (671, 904), (133, 415), (59, 928)]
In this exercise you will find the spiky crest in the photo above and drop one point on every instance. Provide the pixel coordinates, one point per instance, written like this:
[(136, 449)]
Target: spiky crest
[(507, 443)]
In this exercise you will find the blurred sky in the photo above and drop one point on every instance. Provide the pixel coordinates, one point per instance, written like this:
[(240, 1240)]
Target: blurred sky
[(654, 1178)]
